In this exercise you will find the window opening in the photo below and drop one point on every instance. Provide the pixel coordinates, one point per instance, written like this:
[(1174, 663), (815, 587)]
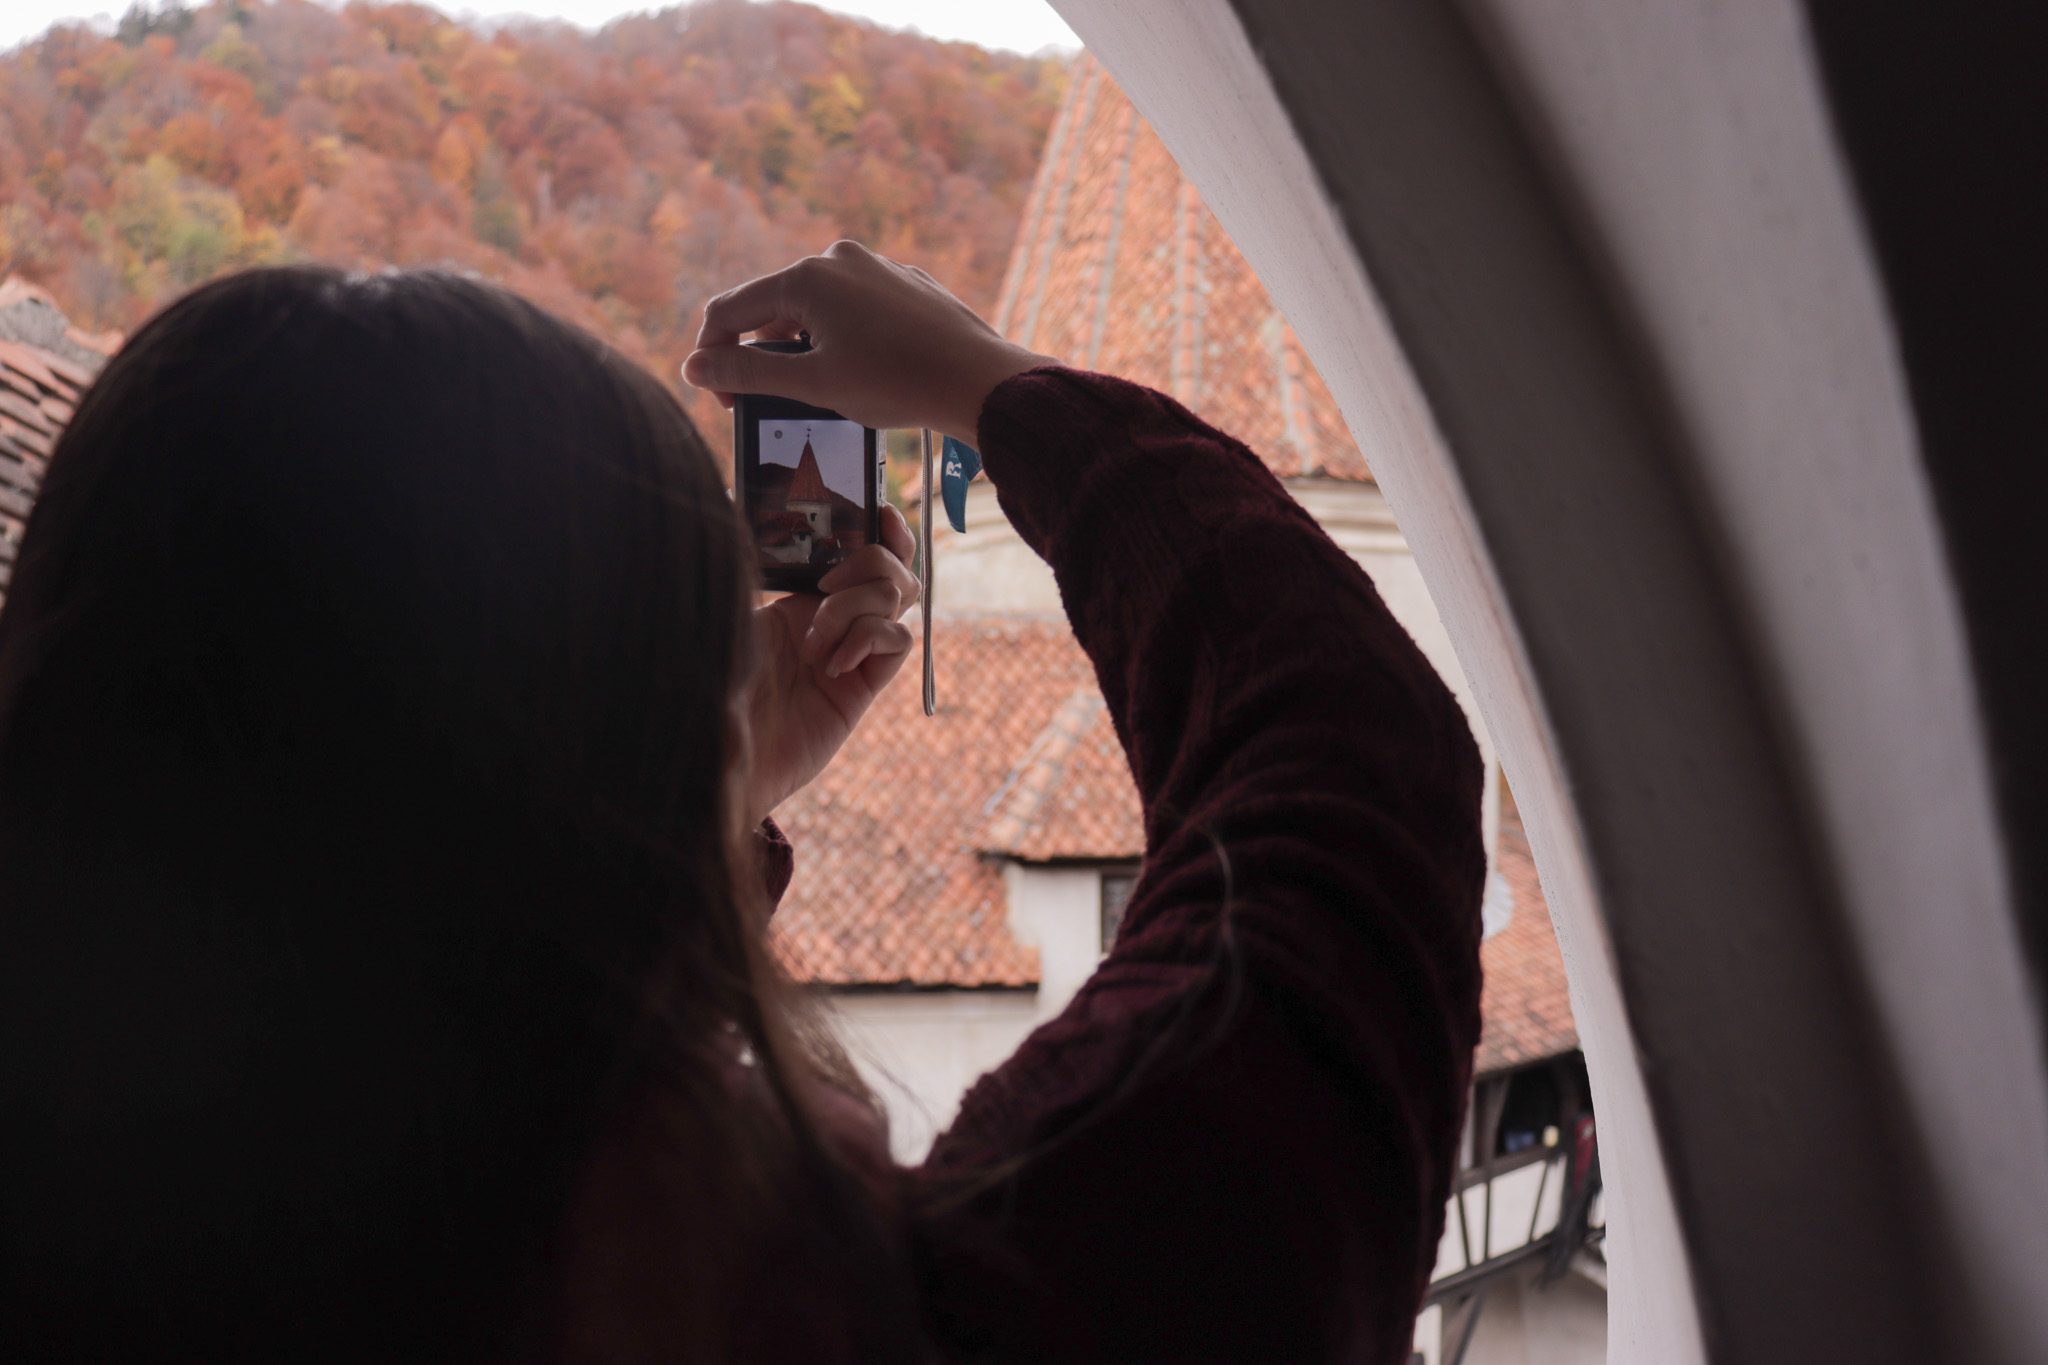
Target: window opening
[(1116, 893)]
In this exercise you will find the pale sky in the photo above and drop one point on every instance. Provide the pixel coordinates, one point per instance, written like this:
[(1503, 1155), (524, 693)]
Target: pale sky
[(839, 446), (1019, 25)]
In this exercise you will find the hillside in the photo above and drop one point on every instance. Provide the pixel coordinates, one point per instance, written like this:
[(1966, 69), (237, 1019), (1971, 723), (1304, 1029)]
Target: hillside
[(619, 178)]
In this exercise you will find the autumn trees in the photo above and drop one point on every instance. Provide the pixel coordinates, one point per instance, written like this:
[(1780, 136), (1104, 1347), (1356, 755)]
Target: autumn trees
[(618, 177)]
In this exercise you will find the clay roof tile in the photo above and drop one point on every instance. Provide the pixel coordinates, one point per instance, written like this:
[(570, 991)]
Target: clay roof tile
[(1119, 267), (897, 842), (809, 483), (1525, 1006)]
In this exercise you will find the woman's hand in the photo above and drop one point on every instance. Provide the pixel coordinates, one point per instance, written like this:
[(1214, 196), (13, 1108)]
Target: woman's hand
[(823, 662), (890, 347)]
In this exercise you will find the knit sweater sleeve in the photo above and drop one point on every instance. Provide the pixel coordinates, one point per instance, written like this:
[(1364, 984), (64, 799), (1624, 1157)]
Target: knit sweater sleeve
[(1237, 1140)]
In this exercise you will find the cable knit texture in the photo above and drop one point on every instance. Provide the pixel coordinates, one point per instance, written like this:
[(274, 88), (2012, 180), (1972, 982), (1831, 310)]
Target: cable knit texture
[(1236, 1143)]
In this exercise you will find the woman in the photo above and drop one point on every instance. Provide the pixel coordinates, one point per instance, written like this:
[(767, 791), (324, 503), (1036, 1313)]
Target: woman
[(387, 741)]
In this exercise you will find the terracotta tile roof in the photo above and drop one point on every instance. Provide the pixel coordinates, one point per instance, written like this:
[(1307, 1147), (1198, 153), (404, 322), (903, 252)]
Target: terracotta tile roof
[(1072, 796), (28, 314), (892, 885), (1525, 1006), (1119, 267), (895, 883), (809, 483), (39, 389)]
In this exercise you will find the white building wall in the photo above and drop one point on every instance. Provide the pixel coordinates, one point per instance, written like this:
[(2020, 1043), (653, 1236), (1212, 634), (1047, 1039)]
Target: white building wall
[(988, 569), (921, 1050), (1564, 1323), (1357, 517)]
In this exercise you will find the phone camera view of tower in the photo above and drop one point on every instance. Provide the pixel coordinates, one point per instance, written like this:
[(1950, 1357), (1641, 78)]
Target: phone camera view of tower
[(808, 506), (807, 480), (801, 533)]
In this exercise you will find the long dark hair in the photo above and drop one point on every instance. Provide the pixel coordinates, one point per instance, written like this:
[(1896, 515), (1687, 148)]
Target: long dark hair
[(368, 873)]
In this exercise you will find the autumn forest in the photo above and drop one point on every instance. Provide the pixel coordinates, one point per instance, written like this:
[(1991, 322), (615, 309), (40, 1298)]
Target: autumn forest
[(619, 178)]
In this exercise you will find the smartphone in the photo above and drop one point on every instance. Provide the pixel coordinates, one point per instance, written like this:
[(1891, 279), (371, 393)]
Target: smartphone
[(809, 482)]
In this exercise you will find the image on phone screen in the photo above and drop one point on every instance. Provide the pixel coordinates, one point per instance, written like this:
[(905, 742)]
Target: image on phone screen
[(809, 501)]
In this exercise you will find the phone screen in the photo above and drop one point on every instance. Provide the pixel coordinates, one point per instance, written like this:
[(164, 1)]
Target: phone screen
[(807, 501)]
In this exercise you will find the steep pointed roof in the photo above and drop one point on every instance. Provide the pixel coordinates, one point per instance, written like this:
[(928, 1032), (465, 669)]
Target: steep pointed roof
[(809, 483), (1119, 267)]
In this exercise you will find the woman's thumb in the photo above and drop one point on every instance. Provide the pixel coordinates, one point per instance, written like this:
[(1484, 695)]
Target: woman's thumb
[(727, 369)]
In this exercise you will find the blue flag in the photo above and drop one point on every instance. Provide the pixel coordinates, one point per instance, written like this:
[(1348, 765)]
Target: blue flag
[(960, 465)]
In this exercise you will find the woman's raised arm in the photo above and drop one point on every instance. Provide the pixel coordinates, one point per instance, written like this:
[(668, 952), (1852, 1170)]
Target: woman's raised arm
[(1236, 1143)]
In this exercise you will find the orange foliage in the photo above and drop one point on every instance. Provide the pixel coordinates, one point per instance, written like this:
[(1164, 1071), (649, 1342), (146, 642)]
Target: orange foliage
[(620, 177)]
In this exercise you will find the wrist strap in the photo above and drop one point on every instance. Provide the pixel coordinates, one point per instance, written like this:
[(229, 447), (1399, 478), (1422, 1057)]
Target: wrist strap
[(924, 573)]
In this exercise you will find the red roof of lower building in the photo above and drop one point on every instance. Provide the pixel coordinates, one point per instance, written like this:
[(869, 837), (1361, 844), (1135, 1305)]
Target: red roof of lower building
[(899, 842), (1525, 1007), (1071, 797), (893, 886)]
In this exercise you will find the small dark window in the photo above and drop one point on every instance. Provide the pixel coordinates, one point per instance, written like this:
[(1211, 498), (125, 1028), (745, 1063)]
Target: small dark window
[(1116, 893), (1531, 1114)]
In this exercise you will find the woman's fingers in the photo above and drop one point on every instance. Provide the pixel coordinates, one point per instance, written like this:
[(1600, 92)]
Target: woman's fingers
[(772, 307), (771, 299), (896, 538), (875, 642), (887, 561), (894, 349), (727, 370), (871, 588), (879, 598)]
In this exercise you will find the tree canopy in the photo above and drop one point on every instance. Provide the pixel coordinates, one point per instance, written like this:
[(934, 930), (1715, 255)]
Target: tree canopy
[(619, 178)]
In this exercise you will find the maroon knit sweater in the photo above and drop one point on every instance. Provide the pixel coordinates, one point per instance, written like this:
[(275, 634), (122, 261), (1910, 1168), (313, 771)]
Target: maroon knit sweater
[(1236, 1143)]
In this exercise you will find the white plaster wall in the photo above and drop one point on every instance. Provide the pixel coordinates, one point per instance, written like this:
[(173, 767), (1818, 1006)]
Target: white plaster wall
[(1057, 910), (1357, 517), (1697, 141), (1559, 1324), (988, 568), (1523, 1199), (921, 1050)]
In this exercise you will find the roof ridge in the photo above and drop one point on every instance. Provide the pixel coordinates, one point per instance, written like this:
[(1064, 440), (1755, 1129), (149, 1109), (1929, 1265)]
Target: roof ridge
[(1055, 229), (1034, 209), (1106, 271), (1118, 266), (1024, 791)]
